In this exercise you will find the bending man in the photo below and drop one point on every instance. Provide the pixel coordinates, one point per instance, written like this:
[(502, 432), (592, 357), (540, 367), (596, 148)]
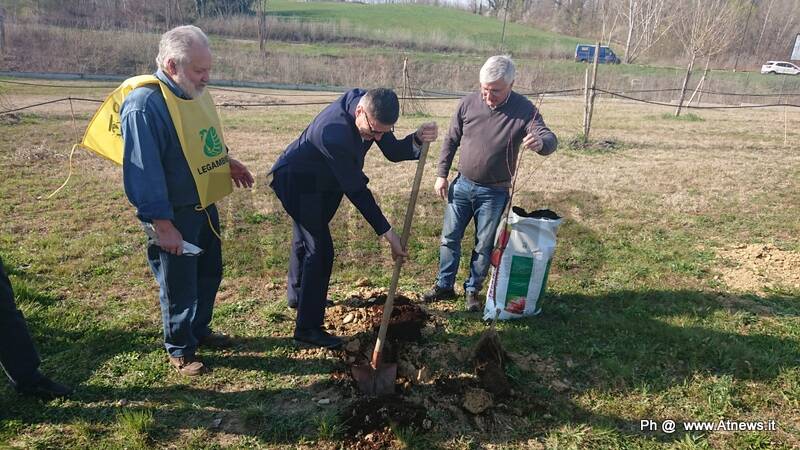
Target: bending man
[(313, 174)]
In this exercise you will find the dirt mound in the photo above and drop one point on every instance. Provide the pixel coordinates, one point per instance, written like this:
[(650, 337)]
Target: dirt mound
[(363, 314), (405, 323), (369, 421), (441, 385), (758, 267)]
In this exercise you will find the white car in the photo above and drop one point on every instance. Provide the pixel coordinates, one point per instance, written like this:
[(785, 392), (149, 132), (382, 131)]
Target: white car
[(781, 67)]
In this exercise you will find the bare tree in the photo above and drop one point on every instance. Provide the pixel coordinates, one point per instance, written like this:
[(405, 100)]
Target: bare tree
[(570, 12), (262, 27), (646, 21), (704, 28), (784, 33), (2, 31), (764, 27)]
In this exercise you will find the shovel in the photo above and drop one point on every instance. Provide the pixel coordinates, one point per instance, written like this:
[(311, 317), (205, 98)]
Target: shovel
[(375, 378)]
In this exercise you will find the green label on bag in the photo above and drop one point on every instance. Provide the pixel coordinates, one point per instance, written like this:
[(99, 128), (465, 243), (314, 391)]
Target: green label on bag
[(519, 277)]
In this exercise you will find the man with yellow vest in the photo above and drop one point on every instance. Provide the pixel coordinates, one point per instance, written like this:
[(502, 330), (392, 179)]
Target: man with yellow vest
[(175, 166)]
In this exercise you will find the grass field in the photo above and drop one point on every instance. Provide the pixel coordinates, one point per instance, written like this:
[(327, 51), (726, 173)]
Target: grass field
[(673, 293)]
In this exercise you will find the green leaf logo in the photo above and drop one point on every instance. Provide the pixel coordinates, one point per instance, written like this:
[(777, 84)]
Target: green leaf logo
[(212, 146)]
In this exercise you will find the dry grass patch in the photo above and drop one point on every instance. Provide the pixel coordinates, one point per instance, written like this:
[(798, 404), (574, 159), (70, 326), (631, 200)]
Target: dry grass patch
[(759, 268)]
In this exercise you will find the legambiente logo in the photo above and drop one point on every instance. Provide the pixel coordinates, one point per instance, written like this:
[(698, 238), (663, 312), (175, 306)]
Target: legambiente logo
[(212, 146)]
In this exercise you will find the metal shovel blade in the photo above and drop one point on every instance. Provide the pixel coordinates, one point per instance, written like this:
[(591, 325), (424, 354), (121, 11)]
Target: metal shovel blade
[(375, 382)]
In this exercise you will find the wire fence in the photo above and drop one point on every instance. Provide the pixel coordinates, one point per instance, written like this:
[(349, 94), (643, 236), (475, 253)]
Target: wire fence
[(429, 96)]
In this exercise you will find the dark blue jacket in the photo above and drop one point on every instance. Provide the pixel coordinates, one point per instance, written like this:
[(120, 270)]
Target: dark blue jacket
[(155, 173), (331, 152)]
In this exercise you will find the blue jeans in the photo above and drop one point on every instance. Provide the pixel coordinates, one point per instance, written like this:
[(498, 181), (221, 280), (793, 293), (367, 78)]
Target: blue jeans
[(188, 284), (466, 201)]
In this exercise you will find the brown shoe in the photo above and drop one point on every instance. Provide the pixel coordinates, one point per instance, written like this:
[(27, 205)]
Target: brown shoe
[(188, 366), (472, 303), (216, 340)]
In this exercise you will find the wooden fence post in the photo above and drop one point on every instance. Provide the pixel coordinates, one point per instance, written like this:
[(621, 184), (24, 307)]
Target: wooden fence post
[(589, 107), (406, 89), (585, 102)]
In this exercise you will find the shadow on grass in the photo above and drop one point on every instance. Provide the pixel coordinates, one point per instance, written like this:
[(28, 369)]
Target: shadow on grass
[(616, 345), (649, 343), (116, 371)]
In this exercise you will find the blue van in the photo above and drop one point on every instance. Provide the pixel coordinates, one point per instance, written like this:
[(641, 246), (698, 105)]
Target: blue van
[(585, 53)]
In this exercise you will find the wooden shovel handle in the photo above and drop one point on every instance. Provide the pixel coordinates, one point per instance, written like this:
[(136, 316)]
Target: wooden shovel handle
[(398, 264)]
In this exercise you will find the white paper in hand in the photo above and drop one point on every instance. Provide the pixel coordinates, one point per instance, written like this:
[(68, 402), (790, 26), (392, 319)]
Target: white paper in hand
[(189, 249)]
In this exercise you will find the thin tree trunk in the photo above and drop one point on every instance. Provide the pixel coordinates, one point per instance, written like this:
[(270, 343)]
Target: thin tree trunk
[(700, 84), (685, 82), (628, 40), (2, 32), (262, 27), (763, 28)]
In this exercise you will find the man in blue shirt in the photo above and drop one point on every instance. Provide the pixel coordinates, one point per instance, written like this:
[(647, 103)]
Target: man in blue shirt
[(159, 183), (313, 174)]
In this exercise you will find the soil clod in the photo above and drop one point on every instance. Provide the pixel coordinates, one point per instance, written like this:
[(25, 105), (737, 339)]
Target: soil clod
[(489, 360), (477, 401)]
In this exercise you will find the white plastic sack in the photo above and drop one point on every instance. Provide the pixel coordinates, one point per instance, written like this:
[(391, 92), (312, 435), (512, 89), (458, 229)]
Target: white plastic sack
[(523, 269)]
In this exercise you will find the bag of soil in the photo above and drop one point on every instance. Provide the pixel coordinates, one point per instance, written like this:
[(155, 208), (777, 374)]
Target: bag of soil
[(518, 282)]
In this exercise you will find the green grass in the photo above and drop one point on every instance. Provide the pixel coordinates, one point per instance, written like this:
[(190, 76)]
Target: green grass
[(134, 428), (636, 322), (685, 117)]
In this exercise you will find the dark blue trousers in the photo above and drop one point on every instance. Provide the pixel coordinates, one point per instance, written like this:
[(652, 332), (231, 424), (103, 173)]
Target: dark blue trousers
[(188, 284), (18, 356), (311, 256)]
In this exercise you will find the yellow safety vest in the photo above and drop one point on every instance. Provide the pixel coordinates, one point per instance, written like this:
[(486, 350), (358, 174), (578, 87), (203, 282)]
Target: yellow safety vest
[(196, 123)]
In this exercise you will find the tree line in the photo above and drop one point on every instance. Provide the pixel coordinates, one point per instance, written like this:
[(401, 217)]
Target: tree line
[(735, 34), (741, 33)]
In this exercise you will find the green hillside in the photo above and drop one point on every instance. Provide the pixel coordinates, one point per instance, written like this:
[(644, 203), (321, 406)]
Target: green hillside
[(386, 21)]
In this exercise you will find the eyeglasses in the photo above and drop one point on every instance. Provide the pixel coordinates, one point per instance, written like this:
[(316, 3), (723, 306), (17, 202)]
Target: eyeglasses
[(374, 131)]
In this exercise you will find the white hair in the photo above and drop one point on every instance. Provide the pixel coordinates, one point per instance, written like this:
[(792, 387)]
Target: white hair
[(175, 44), (497, 67)]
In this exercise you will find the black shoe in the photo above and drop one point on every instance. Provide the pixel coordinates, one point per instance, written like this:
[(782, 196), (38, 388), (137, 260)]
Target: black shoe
[(316, 337), (45, 389), (439, 293), (293, 303)]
